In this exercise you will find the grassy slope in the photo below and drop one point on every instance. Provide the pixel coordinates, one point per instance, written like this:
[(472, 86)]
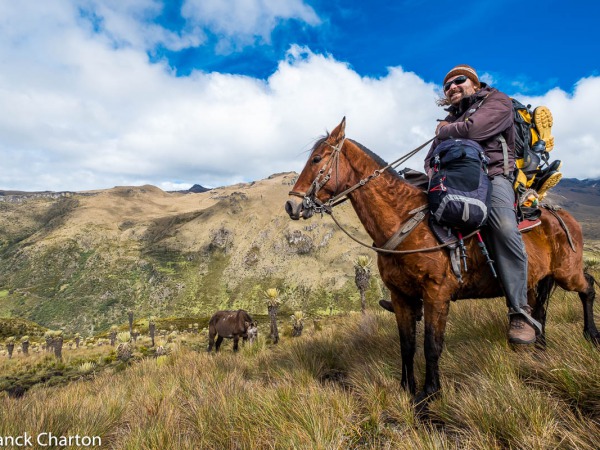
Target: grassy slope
[(336, 388)]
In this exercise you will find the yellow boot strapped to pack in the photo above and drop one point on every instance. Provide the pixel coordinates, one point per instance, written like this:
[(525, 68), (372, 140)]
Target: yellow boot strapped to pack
[(533, 141), (543, 121)]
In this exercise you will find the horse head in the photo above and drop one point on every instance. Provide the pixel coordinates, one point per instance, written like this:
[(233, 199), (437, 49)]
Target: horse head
[(321, 177), (251, 331)]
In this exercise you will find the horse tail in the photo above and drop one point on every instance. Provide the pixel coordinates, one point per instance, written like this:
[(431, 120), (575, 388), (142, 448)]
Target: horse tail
[(212, 325), (544, 290)]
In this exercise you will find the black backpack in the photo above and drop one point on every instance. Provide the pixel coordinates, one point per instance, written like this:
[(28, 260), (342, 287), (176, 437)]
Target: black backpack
[(459, 189), (523, 128)]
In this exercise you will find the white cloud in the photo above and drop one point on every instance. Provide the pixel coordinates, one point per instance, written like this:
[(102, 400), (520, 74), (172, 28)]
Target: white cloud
[(81, 113), (129, 23), (242, 22), (576, 131)]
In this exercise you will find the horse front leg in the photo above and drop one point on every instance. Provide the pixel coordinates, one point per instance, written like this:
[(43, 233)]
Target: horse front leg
[(236, 340), (218, 343), (436, 316), (406, 311), (587, 298)]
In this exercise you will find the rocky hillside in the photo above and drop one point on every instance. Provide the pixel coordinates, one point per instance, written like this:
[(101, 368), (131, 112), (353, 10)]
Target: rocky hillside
[(80, 261), (582, 199)]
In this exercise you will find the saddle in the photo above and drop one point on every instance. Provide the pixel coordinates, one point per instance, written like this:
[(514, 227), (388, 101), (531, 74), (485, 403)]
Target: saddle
[(455, 245), (528, 219), (451, 238)]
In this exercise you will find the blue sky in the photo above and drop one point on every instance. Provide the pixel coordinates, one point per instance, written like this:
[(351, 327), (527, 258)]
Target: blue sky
[(101, 93), (533, 45)]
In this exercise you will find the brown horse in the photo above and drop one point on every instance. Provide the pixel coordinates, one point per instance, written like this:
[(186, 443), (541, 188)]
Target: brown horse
[(231, 325), (424, 281)]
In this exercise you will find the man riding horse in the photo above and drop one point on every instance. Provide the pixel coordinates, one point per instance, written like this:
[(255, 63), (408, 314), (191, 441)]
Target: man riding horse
[(422, 288), (481, 113)]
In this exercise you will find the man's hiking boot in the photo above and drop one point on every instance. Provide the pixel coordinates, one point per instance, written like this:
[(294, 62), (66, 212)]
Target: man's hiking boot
[(548, 182), (520, 331), (542, 119), (547, 178)]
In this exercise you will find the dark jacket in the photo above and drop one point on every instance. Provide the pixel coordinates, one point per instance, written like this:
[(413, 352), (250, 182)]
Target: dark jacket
[(483, 124)]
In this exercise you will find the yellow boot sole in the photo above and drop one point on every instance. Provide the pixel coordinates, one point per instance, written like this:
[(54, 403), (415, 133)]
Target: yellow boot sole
[(543, 121), (549, 184)]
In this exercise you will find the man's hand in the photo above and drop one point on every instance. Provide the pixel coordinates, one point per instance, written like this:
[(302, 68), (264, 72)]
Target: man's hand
[(440, 125)]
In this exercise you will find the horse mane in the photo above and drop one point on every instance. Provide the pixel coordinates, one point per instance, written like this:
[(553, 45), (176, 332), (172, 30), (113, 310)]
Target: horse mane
[(374, 156), (246, 316), (317, 144)]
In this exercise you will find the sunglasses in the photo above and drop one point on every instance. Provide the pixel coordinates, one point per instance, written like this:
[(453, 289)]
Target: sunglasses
[(457, 81)]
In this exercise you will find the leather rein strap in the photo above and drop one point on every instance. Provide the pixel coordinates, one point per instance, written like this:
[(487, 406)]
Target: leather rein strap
[(339, 198), (553, 210), (334, 200), (400, 252), (310, 201)]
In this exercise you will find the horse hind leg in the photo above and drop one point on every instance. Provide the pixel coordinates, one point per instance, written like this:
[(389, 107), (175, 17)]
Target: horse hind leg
[(583, 284), (587, 298)]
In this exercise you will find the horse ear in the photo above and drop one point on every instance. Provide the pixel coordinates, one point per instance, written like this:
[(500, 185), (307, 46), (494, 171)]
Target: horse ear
[(338, 133)]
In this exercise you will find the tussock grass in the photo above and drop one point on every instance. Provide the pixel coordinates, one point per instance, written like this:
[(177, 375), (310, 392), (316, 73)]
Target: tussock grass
[(337, 388)]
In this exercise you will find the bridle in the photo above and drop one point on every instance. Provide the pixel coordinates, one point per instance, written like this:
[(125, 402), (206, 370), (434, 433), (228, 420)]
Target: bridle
[(310, 201), (309, 198)]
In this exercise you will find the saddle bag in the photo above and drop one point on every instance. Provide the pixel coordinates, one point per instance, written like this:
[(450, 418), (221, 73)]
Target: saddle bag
[(459, 189)]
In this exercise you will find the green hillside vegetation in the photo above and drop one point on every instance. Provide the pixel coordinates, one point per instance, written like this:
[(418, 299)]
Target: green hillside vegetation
[(336, 386), (79, 263), (19, 327)]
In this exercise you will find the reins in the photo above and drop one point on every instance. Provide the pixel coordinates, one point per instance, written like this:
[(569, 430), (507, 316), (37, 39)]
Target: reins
[(320, 207), (399, 252), (334, 200), (310, 201)]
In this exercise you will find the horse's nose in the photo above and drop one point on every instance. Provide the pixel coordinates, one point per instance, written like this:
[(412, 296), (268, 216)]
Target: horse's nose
[(293, 209)]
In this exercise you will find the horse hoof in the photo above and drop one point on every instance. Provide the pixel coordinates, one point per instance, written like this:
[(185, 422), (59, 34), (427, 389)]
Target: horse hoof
[(421, 402), (594, 338), (421, 398)]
